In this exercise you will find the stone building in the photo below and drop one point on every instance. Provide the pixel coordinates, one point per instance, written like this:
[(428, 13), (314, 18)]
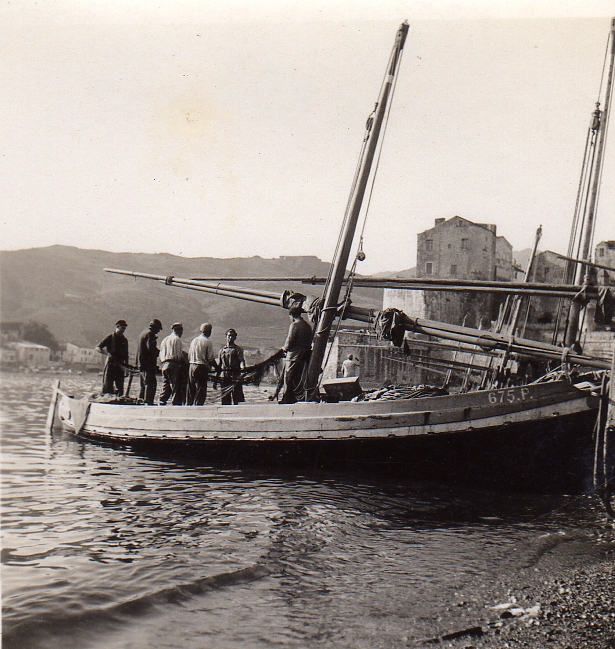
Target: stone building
[(458, 248), (597, 339), (548, 268), (380, 362), (605, 256), (461, 249)]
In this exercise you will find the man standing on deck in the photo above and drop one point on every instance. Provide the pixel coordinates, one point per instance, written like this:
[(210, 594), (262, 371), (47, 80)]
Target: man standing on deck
[(297, 350), (171, 357), (230, 364), (202, 360), (147, 355), (115, 346), (350, 367)]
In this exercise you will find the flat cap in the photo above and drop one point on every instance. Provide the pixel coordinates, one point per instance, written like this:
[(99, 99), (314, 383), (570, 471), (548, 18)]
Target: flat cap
[(177, 325), (121, 323)]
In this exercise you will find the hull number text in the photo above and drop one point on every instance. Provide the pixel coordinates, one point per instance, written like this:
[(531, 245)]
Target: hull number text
[(511, 395)]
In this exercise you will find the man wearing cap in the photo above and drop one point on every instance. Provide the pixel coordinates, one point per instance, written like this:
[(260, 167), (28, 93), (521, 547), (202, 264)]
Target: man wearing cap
[(230, 364), (171, 357), (115, 346), (202, 360), (147, 355), (297, 350)]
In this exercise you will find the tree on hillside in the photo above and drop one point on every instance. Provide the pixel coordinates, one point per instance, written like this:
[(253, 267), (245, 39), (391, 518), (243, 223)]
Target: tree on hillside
[(37, 332)]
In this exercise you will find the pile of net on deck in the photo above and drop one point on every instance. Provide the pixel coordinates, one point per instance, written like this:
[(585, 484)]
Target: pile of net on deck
[(394, 392), (113, 398)]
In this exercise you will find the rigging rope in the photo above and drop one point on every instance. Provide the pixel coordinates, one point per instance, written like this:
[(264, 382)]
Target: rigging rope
[(360, 255), (596, 137)]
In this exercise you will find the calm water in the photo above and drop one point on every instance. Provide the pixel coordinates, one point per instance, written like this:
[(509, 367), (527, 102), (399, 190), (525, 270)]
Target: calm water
[(106, 548)]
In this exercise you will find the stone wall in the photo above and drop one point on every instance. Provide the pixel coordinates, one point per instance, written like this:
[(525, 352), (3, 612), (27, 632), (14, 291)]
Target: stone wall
[(381, 362)]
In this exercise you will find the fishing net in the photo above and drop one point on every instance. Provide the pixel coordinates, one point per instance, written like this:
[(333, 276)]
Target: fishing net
[(389, 326), (394, 392)]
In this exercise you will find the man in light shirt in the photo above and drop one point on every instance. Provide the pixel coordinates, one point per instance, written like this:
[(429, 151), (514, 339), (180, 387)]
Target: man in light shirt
[(202, 360), (350, 367), (171, 357)]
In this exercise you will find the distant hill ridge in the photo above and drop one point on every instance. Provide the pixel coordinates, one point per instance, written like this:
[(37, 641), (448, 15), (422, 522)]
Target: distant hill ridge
[(65, 287)]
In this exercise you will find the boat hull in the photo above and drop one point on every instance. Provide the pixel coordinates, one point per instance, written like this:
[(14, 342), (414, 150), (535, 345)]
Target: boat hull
[(536, 436)]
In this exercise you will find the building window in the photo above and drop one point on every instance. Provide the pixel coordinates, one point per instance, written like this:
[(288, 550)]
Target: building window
[(429, 268), (601, 250), (454, 270), (429, 244), (449, 246), (464, 244)]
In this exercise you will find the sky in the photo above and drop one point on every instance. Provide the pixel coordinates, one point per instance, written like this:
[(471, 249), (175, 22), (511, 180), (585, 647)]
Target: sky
[(233, 128)]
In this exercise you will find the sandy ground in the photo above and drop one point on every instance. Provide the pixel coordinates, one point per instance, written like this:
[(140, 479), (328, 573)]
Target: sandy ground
[(563, 598)]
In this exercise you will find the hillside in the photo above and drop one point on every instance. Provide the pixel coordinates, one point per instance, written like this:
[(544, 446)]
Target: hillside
[(66, 288)]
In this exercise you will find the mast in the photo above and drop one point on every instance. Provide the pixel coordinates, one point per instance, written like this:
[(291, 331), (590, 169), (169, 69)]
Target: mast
[(600, 121), (517, 301), (340, 261)]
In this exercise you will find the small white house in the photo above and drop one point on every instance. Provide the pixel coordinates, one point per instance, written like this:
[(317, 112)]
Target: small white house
[(32, 354), (82, 355)]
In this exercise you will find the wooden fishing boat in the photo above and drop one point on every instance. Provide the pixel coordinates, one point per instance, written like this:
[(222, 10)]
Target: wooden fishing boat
[(514, 435)]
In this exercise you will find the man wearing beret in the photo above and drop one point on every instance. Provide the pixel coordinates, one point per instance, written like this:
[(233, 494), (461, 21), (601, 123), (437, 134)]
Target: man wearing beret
[(115, 346), (171, 358), (147, 355)]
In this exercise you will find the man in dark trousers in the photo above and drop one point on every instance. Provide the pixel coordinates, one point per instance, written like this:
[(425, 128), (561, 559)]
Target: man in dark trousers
[(297, 349), (147, 355), (230, 363), (172, 359), (202, 361), (115, 346)]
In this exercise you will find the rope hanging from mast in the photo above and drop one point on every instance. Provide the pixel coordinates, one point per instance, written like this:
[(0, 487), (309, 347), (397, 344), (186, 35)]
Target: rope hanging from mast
[(584, 222), (339, 265)]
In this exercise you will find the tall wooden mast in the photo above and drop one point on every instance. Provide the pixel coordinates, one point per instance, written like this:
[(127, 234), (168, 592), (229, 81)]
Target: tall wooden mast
[(600, 121), (340, 261)]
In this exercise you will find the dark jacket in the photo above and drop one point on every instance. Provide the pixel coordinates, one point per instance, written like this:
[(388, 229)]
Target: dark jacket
[(147, 352), (117, 348)]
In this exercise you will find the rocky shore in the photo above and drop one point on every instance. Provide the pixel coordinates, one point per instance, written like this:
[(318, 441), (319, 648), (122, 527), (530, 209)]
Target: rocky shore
[(562, 598)]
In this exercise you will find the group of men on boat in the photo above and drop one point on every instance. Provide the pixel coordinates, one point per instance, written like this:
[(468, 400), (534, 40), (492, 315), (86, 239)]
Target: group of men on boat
[(185, 374)]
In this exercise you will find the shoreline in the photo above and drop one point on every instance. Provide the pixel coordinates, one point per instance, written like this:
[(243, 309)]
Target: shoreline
[(562, 598)]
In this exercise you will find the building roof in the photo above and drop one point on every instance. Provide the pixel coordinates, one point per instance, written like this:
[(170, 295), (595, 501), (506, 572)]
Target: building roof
[(490, 227), (29, 345), (443, 222)]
